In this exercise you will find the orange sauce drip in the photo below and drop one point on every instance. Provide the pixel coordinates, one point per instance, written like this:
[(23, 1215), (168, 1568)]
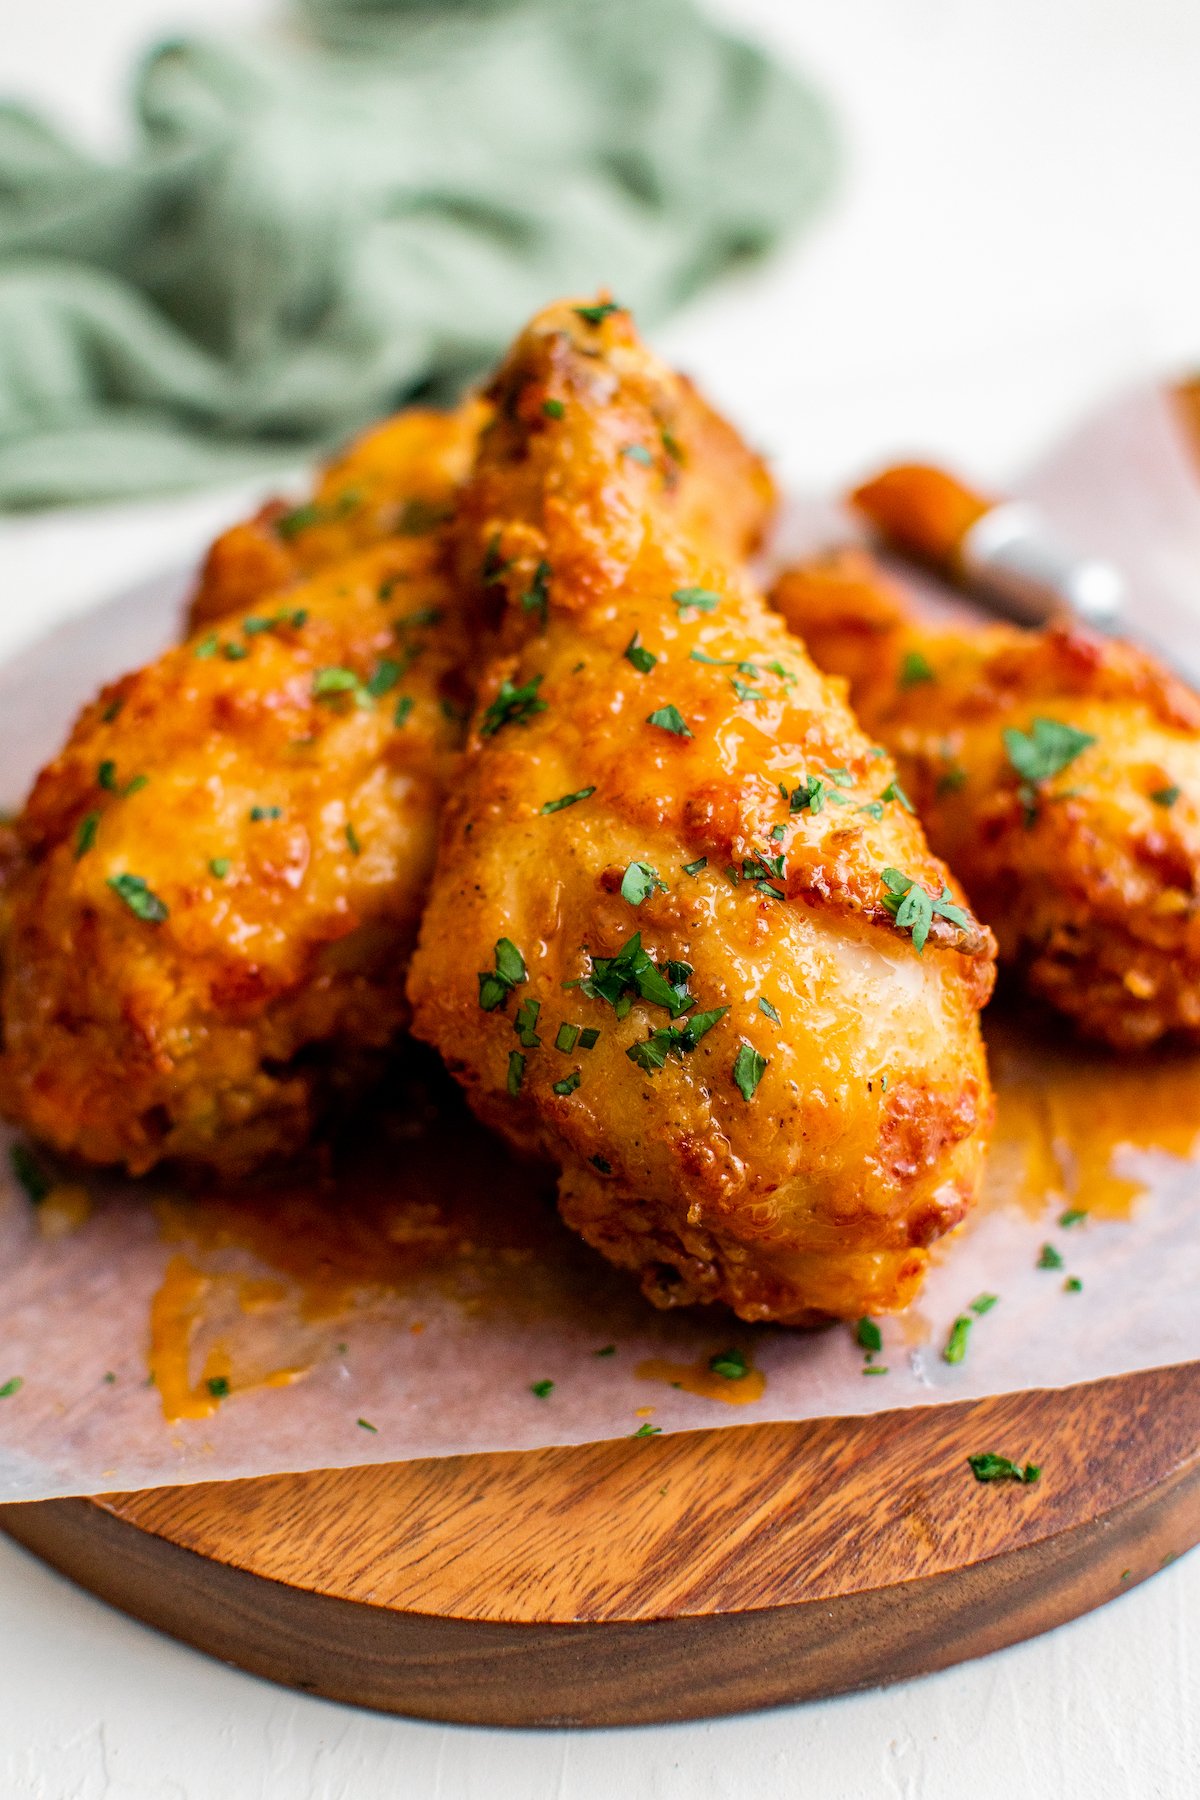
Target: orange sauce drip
[(698, 1378), (265, 1280), (177, 1314), (1067, 1115)]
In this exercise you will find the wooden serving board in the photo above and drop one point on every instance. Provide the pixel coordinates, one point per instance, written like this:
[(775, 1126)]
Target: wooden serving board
[(664, 1578)]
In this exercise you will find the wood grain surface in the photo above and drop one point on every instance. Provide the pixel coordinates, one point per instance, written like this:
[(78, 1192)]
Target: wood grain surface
[(664, 1578)]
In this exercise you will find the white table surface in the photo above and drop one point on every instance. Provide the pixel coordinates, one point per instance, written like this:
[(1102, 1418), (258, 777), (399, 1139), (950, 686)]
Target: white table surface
[(1014, 239)]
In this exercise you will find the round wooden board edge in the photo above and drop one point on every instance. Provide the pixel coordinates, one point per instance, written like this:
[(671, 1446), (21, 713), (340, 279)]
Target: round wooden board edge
[(772, 1618)]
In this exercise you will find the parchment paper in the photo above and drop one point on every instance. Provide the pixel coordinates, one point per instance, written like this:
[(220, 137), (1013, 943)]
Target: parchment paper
[(392, 1315)]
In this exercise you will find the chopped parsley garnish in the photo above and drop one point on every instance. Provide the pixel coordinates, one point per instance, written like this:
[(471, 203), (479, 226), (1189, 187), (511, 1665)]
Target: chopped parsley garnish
[(553, 806), (589, 1038), (139, 898), (1049, 1257), (219, 866), (554, 409), (956, 1343), (694, 868), (875, 1369), (352, 840), (987, 1467), (722, 662), (1072, 1285), (208, 646), (568, 1084), (595, 315), (299, 519), (869, 1336), (764, 1006), (673, 1040), (403, 707), (525, 1023), (512, 706), (951, 781), (763, 871), (419, 517), (893, 791), (540, 1389), (1045, 750), (112, 710), (602, 1163), (646, 1429), (136, 785), (809, 795), (1074, 1215), (874, 808), (633, 970), (516, 1071), (536, 597), (669, 718), (12, 1386), (495, 985), (730, 1363), (913, 907), (608, 1350), (315, 512), (328, 683), (642, 659), (30, 1173), (745, 692), (748, 1070), (386, 675), (1166, 796), (235, 653), (671, 445), (638, 453), (915, 669), (264, 814), (494, 565), (639, 882), (983, 1303), (696, 599), (424, 615), (253, 625), (566, 1038), (85, 837), (366, 1425), (218, 1386), (106, 776)]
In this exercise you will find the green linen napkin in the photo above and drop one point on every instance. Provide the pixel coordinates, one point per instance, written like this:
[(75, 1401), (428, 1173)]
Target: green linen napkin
[(315, 228)]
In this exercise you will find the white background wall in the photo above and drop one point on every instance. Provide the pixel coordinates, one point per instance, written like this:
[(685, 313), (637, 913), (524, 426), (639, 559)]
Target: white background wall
[(1016, 235)]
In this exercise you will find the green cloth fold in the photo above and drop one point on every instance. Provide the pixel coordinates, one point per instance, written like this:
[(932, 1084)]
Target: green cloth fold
[(313, 229)]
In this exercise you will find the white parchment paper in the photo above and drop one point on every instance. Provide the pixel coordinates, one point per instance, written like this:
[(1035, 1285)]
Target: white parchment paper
[(410, 1304)]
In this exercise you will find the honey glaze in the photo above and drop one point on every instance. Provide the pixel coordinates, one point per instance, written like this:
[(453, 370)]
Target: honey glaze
[(1067, 1117), (417, 1204)]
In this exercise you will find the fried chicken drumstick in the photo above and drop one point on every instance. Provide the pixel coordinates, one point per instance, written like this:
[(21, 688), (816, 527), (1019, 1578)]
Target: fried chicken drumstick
[(1057, 772), (217, 884), (219, 879), (684, 937)]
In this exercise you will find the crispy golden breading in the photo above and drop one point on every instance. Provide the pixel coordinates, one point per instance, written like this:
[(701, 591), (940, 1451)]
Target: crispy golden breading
[(664, 855), (393, 481), (220, 876), (1088, 868)]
